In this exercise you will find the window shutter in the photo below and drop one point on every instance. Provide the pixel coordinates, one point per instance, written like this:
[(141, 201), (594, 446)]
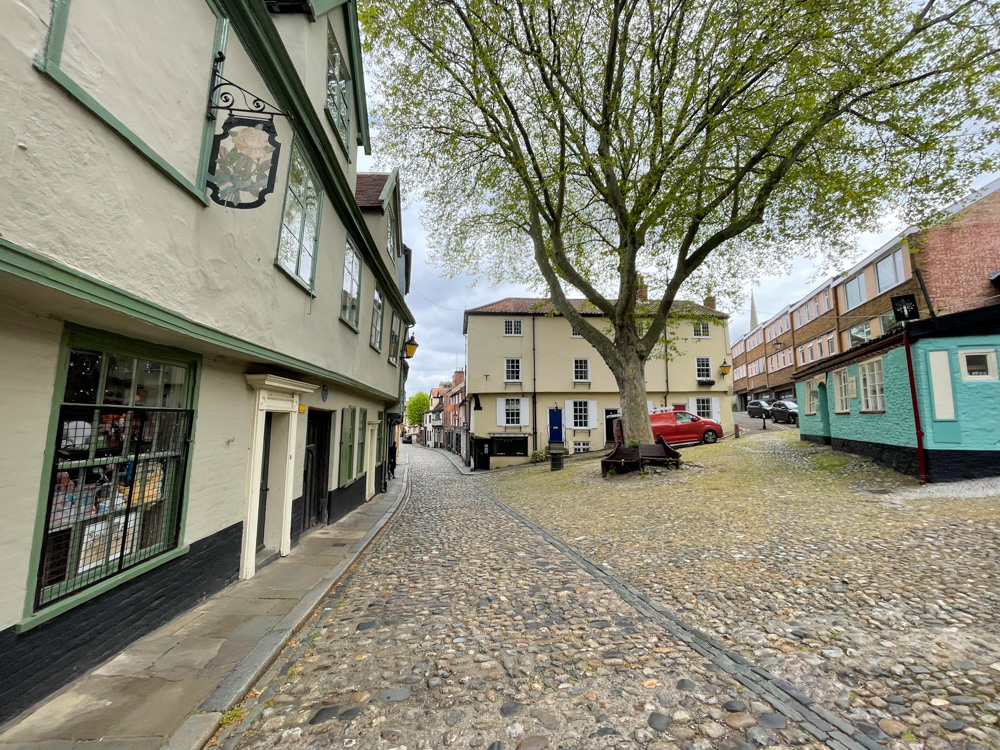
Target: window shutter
[(501, 414), (524, 412), (692, 406), (649, 407), (568, 417), (716, 414), (592, 415)]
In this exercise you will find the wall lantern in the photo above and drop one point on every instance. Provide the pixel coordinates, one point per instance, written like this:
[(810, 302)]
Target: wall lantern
[(410, 347), (243, 164), (725, 367)]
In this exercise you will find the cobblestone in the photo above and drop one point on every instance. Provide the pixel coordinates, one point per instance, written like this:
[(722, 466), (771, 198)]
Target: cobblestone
[(877, 599), (487, 614)]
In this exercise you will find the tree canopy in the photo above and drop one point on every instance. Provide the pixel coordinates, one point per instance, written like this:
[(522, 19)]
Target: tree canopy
[(582, 144), (415, 407)]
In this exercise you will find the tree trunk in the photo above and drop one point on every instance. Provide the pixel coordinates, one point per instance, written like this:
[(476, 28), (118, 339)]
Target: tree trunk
[(632, 389)]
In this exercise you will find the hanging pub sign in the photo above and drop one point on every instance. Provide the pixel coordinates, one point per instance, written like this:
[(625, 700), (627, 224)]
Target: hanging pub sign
[(244, 160), (904, 307)]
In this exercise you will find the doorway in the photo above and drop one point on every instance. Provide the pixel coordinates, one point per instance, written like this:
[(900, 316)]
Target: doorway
[(265, 460), (610, 415), (482, 454), (316, 467)]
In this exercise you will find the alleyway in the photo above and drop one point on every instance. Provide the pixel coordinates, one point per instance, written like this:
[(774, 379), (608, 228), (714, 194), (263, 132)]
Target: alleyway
[(465, 627)]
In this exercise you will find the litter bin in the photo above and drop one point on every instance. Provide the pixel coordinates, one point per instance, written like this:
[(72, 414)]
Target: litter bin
[(557, 460)]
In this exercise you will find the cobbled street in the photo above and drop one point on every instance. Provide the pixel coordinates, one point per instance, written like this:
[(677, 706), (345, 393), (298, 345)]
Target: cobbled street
[(468, 626)]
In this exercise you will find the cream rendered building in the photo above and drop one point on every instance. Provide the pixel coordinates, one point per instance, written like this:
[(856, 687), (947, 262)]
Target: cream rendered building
[(188, 386), (524, 360)]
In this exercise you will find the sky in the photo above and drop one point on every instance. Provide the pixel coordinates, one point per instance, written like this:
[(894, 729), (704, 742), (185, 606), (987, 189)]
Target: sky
[(437, 302)]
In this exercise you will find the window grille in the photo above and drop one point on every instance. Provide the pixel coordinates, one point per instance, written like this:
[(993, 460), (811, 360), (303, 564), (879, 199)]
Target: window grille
[(581, 419), (512, 328), (581, 446), (842, 385), (300, 221), (512, 369), (512, 412), (873, 395), (701, 330), (703, 407), (581, 370), (349, 302), (338, 89), (703, 367)]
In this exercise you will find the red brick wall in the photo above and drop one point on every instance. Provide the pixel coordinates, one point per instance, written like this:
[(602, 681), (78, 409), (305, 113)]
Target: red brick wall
[(957, 257)]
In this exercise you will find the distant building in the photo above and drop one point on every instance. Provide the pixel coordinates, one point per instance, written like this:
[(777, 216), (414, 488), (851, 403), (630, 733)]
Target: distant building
[(529, 371)]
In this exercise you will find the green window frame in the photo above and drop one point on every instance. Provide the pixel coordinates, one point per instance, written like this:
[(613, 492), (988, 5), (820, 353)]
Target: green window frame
[(362, 432), (339, 92), (391, 246), (298, 238), (49, 63), (119, 439), (394, 339), (350, 300), (378, 314), (347, 426)]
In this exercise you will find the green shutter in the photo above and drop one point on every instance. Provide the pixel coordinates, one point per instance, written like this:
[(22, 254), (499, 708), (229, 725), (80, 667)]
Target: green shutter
[(347, 446), (362, 431)]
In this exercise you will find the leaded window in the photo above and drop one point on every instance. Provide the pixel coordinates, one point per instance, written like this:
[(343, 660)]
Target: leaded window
[(338, 89), (117, 477), (350, 308), (300, 221), (378, 309)]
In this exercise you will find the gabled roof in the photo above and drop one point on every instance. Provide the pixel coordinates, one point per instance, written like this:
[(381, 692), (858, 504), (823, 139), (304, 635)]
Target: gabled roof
[(368, 190)]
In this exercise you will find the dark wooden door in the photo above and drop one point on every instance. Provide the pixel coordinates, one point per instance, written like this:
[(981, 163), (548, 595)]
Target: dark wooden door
[(316, 468), (265, 459)]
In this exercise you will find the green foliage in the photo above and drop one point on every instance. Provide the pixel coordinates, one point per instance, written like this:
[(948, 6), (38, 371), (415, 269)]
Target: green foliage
[(419, 403), (537, 457), (632, 444), (578, 145)]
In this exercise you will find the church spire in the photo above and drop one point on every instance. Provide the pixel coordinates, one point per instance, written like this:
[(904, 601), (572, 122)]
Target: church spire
[(753, 312)]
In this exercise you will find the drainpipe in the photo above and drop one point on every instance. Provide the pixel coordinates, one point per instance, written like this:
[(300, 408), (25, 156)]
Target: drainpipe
[(534, 392), (916, 408)]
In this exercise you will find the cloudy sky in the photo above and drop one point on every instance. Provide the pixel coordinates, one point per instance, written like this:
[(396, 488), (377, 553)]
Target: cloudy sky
[(438, 302)]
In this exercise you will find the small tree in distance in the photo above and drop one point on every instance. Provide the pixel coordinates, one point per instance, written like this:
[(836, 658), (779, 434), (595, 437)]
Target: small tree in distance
[(689, 141), (416, 406)]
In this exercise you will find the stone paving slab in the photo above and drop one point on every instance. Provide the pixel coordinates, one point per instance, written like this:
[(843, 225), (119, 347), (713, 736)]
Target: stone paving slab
[(466, 627), (147, 694)]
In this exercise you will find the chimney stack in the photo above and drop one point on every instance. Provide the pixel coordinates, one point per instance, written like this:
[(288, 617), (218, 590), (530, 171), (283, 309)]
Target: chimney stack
[(710, 302), (642, 291)]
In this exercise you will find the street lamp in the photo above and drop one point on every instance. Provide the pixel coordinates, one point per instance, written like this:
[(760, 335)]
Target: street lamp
[(410, 347), (725, 367)]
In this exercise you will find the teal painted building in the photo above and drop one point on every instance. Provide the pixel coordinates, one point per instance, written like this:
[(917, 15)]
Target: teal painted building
[(861, 401)]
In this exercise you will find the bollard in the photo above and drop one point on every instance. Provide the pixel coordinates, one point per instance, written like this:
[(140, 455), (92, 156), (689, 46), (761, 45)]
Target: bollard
[(763, 418), (736, 431)]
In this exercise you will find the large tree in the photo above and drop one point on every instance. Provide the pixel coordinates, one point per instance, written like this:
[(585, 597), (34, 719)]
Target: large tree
[(683, 140), (419, 403)]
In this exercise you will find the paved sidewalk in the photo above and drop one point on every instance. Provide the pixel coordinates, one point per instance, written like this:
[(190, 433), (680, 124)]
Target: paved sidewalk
[(177, 681)]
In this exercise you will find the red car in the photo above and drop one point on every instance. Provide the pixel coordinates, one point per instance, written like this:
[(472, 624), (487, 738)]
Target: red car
[(684, 427)]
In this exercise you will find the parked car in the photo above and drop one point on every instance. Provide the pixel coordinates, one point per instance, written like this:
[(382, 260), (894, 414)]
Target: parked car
[(677, 427), (785, 411), (407, 438), (759, 408)]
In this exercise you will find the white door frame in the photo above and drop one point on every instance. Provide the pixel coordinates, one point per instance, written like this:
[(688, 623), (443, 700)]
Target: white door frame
[(271, 393), (370, 459)]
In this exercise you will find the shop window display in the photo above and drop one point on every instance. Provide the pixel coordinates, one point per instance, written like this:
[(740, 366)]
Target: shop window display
[(118, 470)]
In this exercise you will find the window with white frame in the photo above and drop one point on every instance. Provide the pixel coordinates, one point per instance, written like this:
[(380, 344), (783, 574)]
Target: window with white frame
[(829, 344), (805, 313), (815, 307), (581, 415), (842, 388), (872, 394), (860, 333), (581, 446), (512, 370), (512, 412), (812, 397), (819, 348), (854, 291), (375, 339), (889, 271), (809, 348), (703, 367), (703, 407), (512, 328), (701, 330), (581, 370), (350, 307), (299, 234), (798, 318), (978, 364), (395, 331), (575, 332), (826, 300), (338, 89)]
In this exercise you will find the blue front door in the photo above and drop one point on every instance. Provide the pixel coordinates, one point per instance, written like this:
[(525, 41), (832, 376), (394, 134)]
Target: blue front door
[(555, 425)]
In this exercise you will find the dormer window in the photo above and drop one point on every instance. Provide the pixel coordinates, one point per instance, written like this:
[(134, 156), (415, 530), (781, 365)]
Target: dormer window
[(391, 246), (338, 89)]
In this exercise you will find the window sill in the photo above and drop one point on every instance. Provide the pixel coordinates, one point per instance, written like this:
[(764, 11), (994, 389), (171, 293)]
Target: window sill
[(349, 324), (514, 335), (296, 280), (874, 411), (515, 382), (376, 348), (842, 413)]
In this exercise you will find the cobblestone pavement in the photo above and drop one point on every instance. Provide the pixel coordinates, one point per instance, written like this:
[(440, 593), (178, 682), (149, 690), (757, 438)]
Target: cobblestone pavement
[(880, 601), (465, 627)]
